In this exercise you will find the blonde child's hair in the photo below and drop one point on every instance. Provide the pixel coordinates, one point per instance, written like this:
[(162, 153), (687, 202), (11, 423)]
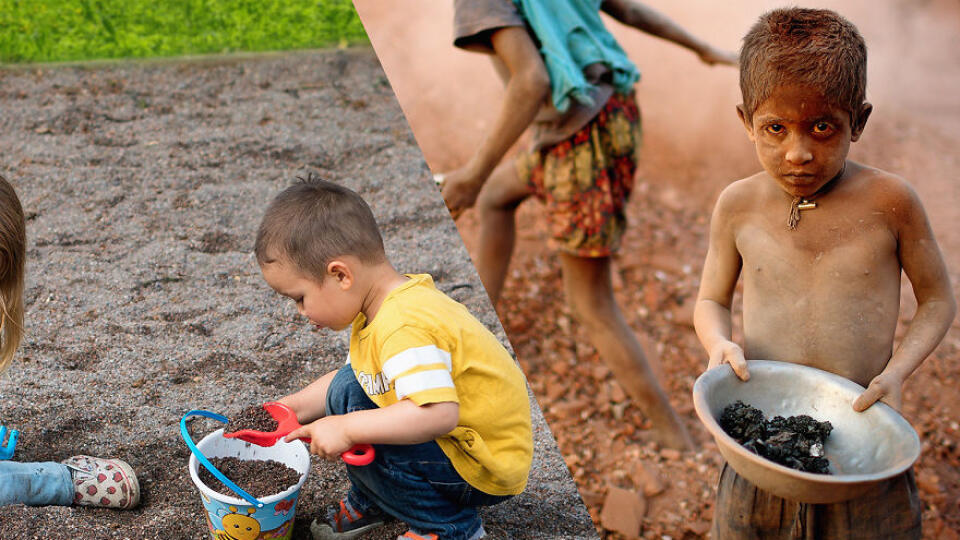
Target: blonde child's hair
[(13, 247)]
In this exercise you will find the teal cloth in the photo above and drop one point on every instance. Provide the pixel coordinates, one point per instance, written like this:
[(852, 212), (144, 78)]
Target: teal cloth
[(572, 37)]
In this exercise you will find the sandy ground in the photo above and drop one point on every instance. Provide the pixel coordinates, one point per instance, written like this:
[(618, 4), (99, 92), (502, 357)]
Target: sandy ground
[(693, 147), (143, 185)]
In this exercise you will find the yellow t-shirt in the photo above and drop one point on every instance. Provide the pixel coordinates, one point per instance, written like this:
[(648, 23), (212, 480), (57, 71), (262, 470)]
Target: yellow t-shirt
[(426, 347)]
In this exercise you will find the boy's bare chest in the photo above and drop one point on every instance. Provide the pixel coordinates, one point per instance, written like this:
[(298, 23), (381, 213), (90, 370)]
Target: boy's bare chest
[(846, 246), (825, 294)]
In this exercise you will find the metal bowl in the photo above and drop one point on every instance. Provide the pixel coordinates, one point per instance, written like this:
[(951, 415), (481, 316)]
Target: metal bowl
[(864, 448)]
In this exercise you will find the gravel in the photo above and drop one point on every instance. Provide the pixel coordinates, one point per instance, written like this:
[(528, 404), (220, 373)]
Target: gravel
[(143, 185)]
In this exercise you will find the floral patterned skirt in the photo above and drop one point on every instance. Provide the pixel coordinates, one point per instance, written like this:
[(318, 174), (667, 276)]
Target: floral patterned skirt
[(585, 180)]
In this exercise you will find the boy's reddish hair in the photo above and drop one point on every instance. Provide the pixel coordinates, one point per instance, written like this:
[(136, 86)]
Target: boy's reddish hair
[(813, 47)]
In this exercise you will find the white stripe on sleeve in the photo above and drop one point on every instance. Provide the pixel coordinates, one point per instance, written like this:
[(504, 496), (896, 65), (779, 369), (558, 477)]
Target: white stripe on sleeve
[(414, 357), (423, 380)]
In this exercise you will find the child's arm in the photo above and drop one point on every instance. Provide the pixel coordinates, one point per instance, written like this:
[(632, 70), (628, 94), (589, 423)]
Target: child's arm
[(527, 87), (404, 422), (936, 307), (310, 403), (721, 269), (651, 22)]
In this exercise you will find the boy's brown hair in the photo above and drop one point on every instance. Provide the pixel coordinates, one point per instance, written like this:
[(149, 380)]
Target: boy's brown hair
[(13, 249), (314, 221), (813, 47)]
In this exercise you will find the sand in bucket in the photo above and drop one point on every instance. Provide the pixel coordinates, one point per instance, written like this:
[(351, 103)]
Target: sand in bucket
[(232, 518)]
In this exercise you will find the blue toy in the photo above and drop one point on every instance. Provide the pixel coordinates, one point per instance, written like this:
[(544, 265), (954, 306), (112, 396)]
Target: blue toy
[(6, 450)]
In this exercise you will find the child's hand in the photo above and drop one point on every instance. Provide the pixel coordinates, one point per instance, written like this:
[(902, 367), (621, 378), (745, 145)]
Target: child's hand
[(460, 190), (328, 436), (728, 352), (884, 387), (712, 56)]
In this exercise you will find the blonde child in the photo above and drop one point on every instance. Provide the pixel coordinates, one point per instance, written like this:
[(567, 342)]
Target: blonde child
[(81, 480)]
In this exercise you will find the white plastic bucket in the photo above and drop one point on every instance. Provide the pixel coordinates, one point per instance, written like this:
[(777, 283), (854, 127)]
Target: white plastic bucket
[(235, 518)]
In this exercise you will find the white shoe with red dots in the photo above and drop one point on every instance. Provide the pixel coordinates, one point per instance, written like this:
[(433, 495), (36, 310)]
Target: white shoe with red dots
[(107, 483)]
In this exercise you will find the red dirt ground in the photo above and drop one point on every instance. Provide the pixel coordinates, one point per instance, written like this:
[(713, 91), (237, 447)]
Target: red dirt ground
[(693, 148)]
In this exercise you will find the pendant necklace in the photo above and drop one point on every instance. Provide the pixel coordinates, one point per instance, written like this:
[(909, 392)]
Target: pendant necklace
[(807, 203)]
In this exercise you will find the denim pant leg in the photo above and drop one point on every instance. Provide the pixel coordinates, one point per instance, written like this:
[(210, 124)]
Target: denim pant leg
[(35, 484), (414, 483)]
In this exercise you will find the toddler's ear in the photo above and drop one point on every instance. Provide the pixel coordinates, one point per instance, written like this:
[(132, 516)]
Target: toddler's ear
[(747, 121), (857, 128), (341, 272)]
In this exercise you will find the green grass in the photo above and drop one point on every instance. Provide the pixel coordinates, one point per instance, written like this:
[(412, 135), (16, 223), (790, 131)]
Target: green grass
[(69, 30)]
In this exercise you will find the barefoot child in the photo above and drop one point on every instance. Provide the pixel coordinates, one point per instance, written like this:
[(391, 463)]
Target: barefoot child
[(820, 242), (568, 78), (443, 403), (81, 480)]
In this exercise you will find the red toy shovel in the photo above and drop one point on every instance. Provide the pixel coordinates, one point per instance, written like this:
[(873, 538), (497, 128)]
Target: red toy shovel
[(358, 455)]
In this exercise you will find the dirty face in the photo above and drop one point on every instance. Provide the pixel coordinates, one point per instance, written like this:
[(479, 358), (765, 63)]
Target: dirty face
[(801, 138), (327, 304)]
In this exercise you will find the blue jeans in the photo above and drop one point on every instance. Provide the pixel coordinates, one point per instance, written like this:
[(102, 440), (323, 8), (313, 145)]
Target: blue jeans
[(414, 483), (35, 484)]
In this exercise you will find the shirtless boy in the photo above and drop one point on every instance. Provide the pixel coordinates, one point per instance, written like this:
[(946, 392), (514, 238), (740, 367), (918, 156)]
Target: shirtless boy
[(820, 242), (581, 164)]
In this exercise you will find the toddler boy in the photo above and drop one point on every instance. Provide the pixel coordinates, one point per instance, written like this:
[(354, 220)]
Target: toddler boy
[(820, 242), (441, 400)]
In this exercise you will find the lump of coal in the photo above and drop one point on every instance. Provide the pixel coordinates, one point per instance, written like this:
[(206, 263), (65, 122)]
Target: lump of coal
[(255, 418), (260, 478), (796, 441)]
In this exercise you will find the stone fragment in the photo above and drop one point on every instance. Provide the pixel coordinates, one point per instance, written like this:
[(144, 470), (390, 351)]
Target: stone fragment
[(623, 512), (670, 454), (647, 478)]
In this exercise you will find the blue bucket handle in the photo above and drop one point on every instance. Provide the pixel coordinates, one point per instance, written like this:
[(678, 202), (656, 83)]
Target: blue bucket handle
[(203, 459)]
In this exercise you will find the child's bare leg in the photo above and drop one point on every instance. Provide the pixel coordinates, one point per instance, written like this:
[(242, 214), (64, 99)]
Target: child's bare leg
[(589, 292), (497, 206)]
